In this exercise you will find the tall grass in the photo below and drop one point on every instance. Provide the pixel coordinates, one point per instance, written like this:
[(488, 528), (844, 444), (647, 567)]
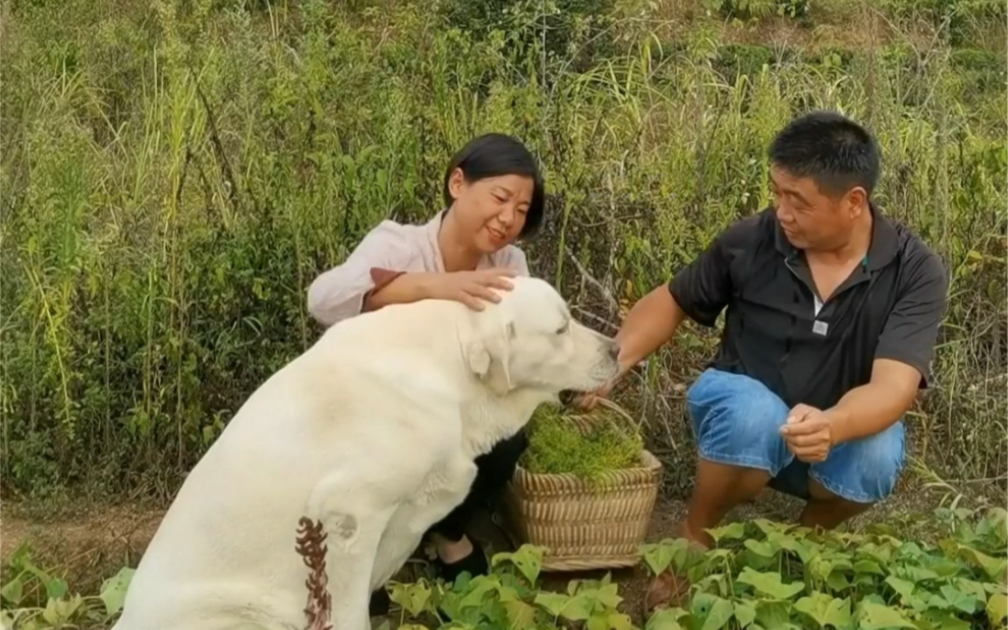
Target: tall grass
[(174, 175)]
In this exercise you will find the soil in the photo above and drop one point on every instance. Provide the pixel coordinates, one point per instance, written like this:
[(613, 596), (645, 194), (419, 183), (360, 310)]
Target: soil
[(86, 544)]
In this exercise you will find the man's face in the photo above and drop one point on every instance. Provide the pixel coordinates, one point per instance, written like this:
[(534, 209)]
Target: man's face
[(811, 219)]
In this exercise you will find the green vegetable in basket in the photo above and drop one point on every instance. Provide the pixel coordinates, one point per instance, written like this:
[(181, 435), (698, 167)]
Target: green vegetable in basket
[(558, 443)]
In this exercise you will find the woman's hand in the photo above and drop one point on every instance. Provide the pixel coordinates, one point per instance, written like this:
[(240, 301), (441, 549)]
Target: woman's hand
[(471, 287)]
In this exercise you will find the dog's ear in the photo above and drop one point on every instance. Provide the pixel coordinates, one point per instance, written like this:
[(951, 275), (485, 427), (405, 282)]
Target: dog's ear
[(489, 357)]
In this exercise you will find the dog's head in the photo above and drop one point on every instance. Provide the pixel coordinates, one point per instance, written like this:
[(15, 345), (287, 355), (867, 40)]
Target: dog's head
[(530, 340)]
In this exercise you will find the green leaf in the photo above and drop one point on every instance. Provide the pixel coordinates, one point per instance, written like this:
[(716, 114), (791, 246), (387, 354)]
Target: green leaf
[(658, 556), (937, 620), (825, 609), (975, 589), (597, 592), (13, 591), (838, 581), (608, 620), (578, 608), (552, 603), (667, 619), (113, 590), (774, 614), (918, 574), (997, 608), (669, 552), (520, 614), (51, 614), (965, 602), (745, 612), (878, 617), (769, 584), (732, 531), (868, 566), (995, 569), (772, 527), (412, 597), (715, 611), (790, 543), (66, 608), (55, 587), (760, 548), (528, 560), (715, 582), (904, 588)]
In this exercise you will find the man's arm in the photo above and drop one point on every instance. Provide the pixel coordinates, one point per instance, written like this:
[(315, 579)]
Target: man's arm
[(874, 407), (902, 358), (700, 291), (649, 325)]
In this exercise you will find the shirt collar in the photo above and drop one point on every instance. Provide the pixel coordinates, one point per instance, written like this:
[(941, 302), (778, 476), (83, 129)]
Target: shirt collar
[(431, 229), (881, 252)]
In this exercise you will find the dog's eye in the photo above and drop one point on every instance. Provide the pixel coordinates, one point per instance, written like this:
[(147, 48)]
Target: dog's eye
[(563, 328)]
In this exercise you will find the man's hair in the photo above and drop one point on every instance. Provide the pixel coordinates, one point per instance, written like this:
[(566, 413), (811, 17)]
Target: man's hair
[(834, 151)]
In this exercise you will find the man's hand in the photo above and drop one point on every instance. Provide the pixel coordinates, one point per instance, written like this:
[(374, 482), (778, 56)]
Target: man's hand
[(589, 400), (808, 433)]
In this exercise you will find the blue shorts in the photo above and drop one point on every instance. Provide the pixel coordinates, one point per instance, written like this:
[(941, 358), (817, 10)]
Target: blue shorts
[(736, 421)]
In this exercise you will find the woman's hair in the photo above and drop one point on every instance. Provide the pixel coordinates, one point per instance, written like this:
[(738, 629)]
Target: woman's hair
[(493, 155)]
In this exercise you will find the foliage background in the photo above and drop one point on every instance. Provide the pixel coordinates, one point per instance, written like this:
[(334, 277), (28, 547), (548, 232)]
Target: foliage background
[(174, 175)]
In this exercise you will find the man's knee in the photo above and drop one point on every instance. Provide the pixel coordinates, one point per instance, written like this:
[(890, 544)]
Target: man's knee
[(863, 471), (736, 420)]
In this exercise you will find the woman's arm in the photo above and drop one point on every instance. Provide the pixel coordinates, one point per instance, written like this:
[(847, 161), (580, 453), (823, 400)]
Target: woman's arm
[(400, 288), (344, 290)]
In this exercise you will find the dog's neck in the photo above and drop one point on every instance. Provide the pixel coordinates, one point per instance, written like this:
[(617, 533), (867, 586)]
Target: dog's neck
[(489, 418), (492, 412)]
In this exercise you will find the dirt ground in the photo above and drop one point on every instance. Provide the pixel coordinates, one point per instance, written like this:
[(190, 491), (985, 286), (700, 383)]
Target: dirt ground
[(88, 544)]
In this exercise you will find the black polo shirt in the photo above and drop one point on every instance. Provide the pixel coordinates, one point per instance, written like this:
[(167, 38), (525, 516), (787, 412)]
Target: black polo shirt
[(889, 308)]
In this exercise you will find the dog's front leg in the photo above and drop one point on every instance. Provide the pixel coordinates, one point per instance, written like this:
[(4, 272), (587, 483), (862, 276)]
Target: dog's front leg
[(353, 524)]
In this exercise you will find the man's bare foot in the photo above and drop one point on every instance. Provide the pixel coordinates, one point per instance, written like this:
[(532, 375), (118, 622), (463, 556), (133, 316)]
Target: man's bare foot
[(671, 588)]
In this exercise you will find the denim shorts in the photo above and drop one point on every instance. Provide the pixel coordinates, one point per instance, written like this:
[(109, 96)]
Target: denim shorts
[(736, 421)]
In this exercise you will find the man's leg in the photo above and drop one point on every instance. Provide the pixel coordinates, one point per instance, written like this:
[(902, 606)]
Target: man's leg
[(736, 421), (855, 476)]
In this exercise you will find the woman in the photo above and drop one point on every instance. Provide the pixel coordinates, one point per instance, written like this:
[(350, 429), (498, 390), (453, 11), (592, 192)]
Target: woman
[(494, 195)]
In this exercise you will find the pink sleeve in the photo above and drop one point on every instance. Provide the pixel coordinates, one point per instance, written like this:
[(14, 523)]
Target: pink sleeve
[(339, 293)]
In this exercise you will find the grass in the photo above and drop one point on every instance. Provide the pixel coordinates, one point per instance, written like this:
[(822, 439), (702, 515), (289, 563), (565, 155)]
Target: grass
[(585, 446), (174, 175)]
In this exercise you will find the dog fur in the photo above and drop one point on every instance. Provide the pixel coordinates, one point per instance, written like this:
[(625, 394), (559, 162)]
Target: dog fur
[(373, 432)]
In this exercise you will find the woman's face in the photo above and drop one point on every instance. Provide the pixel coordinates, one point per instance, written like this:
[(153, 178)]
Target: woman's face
[(491, 210)]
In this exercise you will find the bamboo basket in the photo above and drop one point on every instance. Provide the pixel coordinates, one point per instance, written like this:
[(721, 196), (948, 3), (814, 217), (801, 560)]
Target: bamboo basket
[(584, 525)]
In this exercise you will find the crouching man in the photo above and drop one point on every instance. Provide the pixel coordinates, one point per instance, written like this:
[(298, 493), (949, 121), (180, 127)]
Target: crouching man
[(831, 322)]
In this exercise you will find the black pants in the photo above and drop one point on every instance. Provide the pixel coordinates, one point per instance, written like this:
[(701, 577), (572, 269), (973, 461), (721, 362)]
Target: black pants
[(493, 472)]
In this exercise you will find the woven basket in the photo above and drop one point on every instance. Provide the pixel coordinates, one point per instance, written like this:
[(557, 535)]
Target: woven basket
[(584, 525)]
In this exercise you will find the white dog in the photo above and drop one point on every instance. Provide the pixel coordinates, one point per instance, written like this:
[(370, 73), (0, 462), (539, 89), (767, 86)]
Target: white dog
[(372, 432)]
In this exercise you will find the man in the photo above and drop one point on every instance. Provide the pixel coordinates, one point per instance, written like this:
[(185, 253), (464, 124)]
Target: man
[(832, 317)]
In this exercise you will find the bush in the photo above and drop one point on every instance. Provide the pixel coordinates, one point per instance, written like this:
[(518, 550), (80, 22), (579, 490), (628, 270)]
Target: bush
[(577, 30), (758, 9), (174, 177)]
